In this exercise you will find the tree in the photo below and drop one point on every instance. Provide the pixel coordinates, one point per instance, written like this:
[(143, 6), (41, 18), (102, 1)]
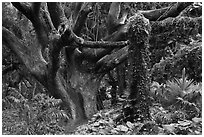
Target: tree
[(76, 80)]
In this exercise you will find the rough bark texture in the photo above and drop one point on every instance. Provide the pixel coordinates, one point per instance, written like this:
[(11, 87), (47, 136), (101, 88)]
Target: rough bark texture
[(138, 106), (77, 80), (161, 14)]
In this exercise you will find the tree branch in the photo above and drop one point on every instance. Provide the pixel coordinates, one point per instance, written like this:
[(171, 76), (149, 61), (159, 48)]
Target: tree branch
[(109, 62), (77, 8), (81, 19), (96, 54), (37, 23), (31, 59), (25, 9), (46, 16), (97, 44), (177, 29), (112, 20), (12, 26), (163, 13), (57, 14), (36, 8)]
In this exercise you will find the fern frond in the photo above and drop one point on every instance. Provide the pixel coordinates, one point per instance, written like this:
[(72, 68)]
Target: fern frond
[(16, 93), (14, 99)]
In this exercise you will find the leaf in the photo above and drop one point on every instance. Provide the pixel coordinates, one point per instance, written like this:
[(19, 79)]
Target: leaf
[(96, 124), (184, 123), (103, 121), (109, 112), (129, 124), (197, 132), (122, 128), (110, 122), (103, 131), (197, 120), (114, 131), (170, 127), (115, 116)]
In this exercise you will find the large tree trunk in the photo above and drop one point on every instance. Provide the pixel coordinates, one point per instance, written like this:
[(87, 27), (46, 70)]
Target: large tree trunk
[(77, 89), (78, 82)]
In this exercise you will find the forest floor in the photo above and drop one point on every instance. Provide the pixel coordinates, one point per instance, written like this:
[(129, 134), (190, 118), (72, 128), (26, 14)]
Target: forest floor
[(163, 123)]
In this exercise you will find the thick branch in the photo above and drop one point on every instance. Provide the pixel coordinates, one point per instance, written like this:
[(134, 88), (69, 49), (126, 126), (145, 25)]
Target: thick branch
[(98, 44), (36, 21), (12, 26), (46, 16), (112, 19), (36, 8), (96, 54), (109, 62), (81, 19), (25, 9), (177, 29), (77, 8), (58, 17), (57, 46), (163, 13), (56, 13), (31, 59)]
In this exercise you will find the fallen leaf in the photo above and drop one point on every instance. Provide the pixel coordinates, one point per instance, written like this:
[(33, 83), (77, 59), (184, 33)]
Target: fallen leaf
[(184, 123), (96, 124), (115, 116), (113, 131), (129, 124), (109, 112), (103, 131), (197, 120), (122, 128), (197, 132), (103, 121), (170, 128)]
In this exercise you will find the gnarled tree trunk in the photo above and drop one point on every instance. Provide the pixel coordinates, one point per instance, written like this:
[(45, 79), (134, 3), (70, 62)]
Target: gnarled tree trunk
[(77, 82)]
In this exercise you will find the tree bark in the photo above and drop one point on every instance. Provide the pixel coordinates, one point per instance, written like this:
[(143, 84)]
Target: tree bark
[(161, 14), (138, 106), (77, 82), (121, 78)]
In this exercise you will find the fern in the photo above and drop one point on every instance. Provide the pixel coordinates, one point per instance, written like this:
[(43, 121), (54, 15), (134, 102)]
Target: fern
[(180, 87), (177, 89), (40, 115), (189, 108)]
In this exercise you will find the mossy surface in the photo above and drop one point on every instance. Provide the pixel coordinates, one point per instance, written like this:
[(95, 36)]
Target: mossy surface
[(138, 35)]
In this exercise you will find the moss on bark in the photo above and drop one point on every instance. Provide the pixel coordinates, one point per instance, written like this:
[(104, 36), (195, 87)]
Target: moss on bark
[(138, 35)]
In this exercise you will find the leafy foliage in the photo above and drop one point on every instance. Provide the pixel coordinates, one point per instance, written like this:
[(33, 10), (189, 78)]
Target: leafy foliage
[(40, 115), (181, 95), (189, 57), (164, 123), (177, 103)]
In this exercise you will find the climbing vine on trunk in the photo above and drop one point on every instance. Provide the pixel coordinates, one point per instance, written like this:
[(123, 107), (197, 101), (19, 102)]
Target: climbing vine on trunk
[(138, 35)]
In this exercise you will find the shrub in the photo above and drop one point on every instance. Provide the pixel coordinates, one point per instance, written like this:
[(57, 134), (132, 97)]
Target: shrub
[(189, 58), (40, 115), (181, 95)]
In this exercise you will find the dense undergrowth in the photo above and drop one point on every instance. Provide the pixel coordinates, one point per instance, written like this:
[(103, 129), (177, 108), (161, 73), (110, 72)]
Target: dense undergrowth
[(176, 109), (175, 93)]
